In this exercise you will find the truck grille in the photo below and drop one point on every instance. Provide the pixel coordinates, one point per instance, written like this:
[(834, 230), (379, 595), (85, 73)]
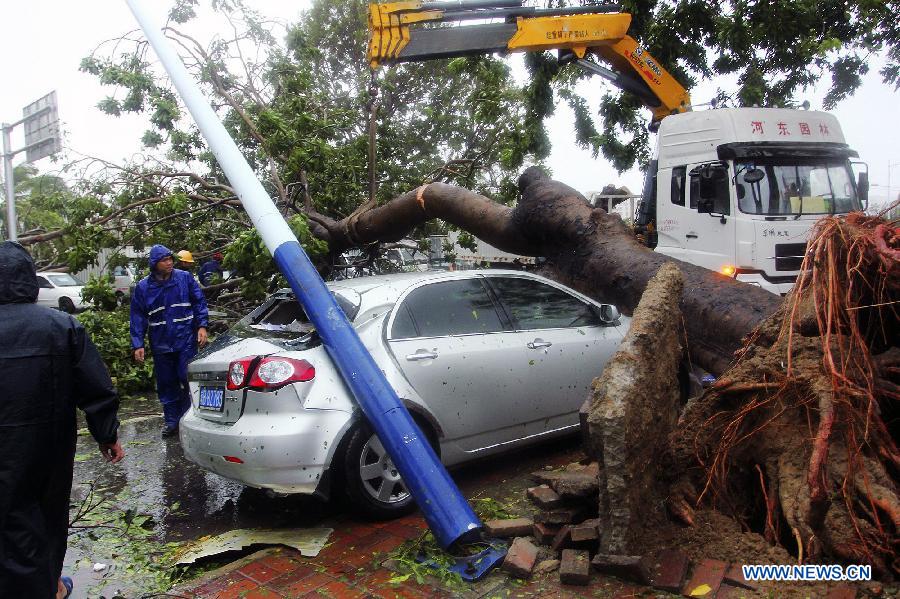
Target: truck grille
[(789, 256)]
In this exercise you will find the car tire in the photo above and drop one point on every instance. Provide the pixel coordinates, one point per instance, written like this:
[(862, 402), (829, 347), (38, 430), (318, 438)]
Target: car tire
[(67, 305), (371, 481)]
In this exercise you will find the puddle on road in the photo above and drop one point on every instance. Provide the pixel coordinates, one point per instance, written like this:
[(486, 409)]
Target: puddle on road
[(153, 500)]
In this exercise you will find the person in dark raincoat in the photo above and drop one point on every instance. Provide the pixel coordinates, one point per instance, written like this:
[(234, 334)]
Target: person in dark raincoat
[(169, 305), (211, 270), (49, 366)]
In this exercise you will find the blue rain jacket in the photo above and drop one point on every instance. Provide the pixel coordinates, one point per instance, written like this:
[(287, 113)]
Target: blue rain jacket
[(171, 311)]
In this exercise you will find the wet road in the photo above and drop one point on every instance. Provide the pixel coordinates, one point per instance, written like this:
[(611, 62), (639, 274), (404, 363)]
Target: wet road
[(154, 500), (155, 497)]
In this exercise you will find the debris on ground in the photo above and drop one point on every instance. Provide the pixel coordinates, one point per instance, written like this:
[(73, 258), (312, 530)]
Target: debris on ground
[(308, 541)]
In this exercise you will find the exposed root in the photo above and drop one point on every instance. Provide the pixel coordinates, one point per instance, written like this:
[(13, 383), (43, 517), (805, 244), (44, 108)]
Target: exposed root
[(810, 403)]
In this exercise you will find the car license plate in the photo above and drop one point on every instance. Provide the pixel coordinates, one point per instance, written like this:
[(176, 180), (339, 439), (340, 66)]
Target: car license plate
[(212, 398)]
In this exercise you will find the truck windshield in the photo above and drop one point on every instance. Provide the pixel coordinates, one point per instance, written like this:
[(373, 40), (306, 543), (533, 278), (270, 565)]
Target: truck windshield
[(791, 187)]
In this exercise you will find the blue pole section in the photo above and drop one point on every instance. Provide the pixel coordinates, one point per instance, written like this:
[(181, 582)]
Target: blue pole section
[(449, 516)]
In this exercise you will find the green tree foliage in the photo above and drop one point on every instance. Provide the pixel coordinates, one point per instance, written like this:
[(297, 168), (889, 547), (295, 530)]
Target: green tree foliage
[(109, 332), (771, 49)]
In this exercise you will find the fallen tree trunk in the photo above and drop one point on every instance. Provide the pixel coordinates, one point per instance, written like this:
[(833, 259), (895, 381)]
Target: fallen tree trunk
[(585, 247)]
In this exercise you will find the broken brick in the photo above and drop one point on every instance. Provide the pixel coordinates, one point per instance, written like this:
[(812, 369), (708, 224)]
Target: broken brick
[(575, 567), (586, 531), (707, 576), (562, 539), (626, 567), (520, 558), (544, 533), (735, 576), (671, 568), (515, 527), (544, 497)]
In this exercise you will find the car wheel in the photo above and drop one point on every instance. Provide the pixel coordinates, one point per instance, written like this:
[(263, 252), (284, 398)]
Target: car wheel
[(67, 305), (371, 481)]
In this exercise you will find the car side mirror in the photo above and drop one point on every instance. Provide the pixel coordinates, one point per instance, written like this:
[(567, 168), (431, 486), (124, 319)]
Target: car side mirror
[(862, 188), (609, 313)]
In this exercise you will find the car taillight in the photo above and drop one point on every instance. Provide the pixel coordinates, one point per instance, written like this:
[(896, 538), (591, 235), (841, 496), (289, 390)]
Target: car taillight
[(276, 372), (238, 372)]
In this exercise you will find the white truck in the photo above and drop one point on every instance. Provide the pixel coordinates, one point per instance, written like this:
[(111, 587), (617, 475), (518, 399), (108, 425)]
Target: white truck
[(738, 190)]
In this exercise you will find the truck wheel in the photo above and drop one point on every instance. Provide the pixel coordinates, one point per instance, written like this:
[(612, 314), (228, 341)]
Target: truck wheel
[(371, 481), (67, 305)]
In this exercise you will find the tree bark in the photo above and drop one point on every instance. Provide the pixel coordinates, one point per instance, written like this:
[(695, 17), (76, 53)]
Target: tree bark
[(585, 248)]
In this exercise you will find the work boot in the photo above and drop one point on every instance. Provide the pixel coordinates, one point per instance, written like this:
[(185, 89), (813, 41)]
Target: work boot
[(169, 431)]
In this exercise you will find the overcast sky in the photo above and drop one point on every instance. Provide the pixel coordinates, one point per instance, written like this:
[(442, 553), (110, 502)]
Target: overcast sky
[(43, 41)]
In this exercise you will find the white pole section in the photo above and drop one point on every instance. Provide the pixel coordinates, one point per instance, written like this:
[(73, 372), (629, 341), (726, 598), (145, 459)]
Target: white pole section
[(10, 185), (259, 206)]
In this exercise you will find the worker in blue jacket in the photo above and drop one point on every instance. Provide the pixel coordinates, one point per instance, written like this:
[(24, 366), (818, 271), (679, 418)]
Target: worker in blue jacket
[(170, 305)]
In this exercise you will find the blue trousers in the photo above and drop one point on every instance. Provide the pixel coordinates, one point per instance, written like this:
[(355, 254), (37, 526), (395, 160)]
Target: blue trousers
[(170, 369)]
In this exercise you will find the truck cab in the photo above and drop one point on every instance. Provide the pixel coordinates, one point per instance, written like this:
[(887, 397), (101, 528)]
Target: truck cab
[(737, 190)]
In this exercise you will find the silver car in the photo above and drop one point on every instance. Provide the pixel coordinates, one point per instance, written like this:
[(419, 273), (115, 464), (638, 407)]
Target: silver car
[(485, 361)]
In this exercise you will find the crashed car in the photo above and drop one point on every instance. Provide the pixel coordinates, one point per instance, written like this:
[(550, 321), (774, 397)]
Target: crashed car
[(485, 361)]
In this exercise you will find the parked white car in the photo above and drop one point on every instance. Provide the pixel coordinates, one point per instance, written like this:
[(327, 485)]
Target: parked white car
[(486, 361), (60, 290)]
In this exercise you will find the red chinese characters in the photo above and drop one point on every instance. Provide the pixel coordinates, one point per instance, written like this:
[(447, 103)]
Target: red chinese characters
[(783, 129), (757, 127), (804, 129)]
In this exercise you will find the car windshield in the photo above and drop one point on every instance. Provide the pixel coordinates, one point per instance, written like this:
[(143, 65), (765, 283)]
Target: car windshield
[(792, 188), (62, 279)]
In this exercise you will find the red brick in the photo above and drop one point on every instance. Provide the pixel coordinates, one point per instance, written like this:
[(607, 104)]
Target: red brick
[(340, 590), (259, 572), (544, 533), (575, 567), (544, 497), (386, 545), (671, 568), (842, 591), (562, 539), (216, 586), (301, 585), (262, 593), (237, 589), (709, 572), (504, 529), (735, 576), (281, 563), (520, 558)]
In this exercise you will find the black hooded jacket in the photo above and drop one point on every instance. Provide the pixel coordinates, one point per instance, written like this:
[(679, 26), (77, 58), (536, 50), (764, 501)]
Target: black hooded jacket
[(48, 367)]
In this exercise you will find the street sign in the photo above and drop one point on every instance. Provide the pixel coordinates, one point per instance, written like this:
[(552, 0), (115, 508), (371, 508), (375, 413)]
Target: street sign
[(41, 122)]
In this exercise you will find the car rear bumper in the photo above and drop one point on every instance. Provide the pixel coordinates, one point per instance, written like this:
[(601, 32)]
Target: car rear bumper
[(287, 453)]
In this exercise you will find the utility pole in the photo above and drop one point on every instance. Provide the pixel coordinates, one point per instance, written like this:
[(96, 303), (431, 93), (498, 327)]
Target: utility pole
[(9, 183), (42, 139)]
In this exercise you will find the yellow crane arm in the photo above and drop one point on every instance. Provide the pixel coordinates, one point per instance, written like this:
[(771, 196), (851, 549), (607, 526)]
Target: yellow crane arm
[(399, 32)]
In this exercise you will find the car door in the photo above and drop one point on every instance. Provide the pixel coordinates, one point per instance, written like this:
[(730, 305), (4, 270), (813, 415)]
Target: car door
[(47, 294), (560, 345), (452, 345)]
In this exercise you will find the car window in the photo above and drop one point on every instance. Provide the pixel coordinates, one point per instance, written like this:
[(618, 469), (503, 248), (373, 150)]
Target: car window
[(64, 279), (448, 308), (536, 305), (283, 314), (44, 283)]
